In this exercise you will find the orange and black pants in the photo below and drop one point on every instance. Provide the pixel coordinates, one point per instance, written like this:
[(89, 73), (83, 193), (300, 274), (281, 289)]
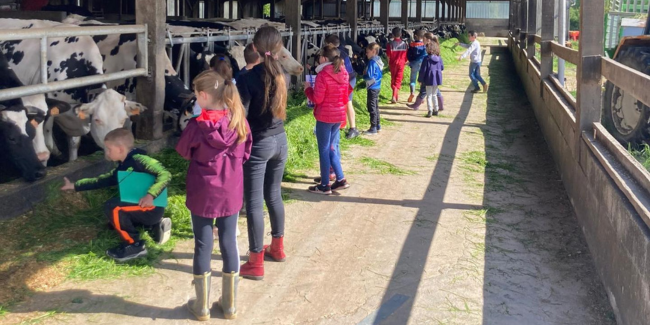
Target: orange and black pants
[(125, 217)]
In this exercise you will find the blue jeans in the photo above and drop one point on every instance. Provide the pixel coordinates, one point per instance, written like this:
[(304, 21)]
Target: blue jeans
[(328, 136), (415, 69), (475, 74)]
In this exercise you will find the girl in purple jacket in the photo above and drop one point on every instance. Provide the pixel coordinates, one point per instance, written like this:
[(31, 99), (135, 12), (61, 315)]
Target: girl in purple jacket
[(217, 143), (431, 76)]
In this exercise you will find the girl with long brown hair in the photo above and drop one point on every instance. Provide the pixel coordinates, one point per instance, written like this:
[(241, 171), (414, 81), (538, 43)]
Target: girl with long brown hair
[(217, 143), (264, 94)]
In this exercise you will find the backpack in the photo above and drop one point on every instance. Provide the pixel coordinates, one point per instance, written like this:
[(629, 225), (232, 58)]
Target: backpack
[(412, 54)]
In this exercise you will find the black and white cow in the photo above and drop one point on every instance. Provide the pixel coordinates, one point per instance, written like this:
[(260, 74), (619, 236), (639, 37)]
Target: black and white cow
[(96, 111)]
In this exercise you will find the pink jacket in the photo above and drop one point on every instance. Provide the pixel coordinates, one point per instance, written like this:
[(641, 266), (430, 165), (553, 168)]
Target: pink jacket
[(330, 94)]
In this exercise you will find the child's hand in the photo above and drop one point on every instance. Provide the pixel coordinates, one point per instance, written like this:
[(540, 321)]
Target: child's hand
[(306, 85), (67, 185), (146, 201)]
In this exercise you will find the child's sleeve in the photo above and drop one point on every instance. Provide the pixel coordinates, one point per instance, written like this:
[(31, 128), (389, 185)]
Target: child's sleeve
[(372, 73), (320, 90), (155, 168), (248, 144), (423, 69), (244, 93), (102, 181), (187, 143), (388, 51)]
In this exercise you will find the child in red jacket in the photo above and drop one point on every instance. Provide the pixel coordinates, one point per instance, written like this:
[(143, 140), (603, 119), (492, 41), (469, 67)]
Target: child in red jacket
[(396, 51), (330, 96)]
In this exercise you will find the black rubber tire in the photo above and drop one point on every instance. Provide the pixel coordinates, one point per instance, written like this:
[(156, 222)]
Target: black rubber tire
[(637, 58)]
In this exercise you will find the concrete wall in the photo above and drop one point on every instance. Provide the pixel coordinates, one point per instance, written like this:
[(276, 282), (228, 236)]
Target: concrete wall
[(618, 238), (491, 27)]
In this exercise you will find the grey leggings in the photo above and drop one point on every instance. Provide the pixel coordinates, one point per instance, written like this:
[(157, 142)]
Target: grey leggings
[(263, 182), (204, 242)]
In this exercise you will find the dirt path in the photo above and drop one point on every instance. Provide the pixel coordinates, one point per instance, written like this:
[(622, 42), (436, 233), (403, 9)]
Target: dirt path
[(477, 229)]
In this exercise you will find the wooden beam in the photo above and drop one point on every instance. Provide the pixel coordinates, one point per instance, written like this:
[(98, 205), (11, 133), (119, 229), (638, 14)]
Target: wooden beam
[(352, 13), (338, 8), (384, 13), (438, 10), (548, 28), (531, 27), (633, 82), (405, 13), (322, 10), (418, 11), (292, 17), (150, 90), (588, 101), (273, 8), (569, 55)]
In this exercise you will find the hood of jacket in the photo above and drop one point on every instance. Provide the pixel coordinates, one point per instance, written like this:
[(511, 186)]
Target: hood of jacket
[(379, 62), (434, 58), (341, 77), (214, 126)]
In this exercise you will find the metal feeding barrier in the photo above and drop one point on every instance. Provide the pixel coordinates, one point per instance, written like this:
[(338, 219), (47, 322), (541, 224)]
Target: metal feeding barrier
[(209, 37), (45, 34)]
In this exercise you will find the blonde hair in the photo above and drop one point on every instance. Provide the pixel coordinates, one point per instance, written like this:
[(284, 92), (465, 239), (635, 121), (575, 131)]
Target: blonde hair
[(224, 91), (268, 42), (374, 47), (121, 137)]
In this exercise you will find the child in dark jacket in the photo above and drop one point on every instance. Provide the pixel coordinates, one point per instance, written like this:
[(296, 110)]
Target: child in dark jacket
[(217, 143), (428, 38), (416, 53), (431, 76), (372, 76), (330, 96), (123, 216)]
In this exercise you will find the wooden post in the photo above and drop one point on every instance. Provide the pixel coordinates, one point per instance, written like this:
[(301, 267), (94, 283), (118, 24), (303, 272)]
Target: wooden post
[(322, 11), (150, 90), (338, 8), (292, 17), (313, 9), (352, 13), (230, 10), (588, 103), (384, 13), (531, 27), (438, 10), (444, 10), (405, 13), (548, 27), (418, 11)]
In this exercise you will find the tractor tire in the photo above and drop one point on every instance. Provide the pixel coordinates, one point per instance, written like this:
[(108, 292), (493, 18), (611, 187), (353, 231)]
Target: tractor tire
[(626, 118)]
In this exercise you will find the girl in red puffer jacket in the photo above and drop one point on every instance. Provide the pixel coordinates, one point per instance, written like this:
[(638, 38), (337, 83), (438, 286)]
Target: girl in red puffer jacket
[(330, 96)]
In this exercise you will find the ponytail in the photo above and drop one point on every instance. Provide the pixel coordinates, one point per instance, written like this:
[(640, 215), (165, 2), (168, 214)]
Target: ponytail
[(333, 55), (223, 91), (268, 42), (236, 108)]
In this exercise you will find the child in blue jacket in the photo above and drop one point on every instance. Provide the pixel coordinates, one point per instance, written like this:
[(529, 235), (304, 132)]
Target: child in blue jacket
[(416, 53), (431, 76), (372, 75)]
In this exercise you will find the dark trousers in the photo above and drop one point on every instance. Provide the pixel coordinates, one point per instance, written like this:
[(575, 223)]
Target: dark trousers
[(204, 242), (373, 107), (125, 217), (263, 182)]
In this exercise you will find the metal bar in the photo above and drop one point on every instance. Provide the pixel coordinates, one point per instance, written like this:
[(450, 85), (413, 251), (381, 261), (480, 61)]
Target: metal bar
[(143, 48), (22, 34), (186, 66), (44, 60), (180, 59), (23, 91)]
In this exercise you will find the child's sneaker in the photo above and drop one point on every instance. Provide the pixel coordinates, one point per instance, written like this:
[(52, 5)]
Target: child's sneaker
[(429, 114), (320, 189), (378, 128), (126, 252), (162, 231), (352, 133), (317, 180), (340, 185), (371, 131)]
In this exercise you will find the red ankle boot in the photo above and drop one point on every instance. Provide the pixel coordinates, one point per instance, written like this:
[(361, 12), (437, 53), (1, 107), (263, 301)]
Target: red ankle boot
[(254, 268), (276, 250)]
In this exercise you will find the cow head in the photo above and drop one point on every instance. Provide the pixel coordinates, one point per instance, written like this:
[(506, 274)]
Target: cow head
[(107, 112), (289, 64), (16, 134)]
